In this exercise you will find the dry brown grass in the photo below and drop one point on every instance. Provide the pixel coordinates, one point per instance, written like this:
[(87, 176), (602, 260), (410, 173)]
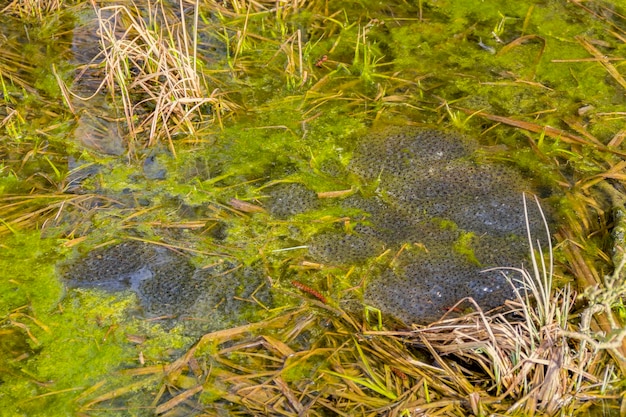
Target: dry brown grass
[(38, 211), (37, 9), (151, 68), (474, 365), (236, 8)]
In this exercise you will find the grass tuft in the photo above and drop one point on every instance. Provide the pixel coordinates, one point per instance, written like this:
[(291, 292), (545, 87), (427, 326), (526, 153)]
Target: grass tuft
[(33, 9), (151, 67)]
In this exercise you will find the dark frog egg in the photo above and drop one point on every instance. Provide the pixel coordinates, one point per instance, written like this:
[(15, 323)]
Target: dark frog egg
[(169, 286), (172, 289), (341, 248), (400, 150), (162, 278)]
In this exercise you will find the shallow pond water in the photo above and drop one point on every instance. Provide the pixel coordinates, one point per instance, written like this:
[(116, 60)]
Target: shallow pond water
[(121, 253)]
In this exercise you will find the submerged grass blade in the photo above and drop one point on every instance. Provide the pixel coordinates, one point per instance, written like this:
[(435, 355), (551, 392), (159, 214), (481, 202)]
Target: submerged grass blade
[(374, 386)]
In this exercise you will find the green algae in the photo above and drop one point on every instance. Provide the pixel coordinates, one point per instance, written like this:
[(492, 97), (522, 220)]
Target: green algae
[(463, 246), (73, 339), (31, 302)]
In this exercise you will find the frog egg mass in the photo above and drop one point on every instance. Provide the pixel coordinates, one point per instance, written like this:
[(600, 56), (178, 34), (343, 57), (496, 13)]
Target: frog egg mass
[(460, 216)]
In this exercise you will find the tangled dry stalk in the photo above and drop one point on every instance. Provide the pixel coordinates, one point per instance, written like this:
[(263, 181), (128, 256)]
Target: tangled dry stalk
[(151, 68), (37, 9)]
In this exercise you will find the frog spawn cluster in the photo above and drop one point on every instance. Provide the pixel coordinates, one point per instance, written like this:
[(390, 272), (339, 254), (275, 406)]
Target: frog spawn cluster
[(453, 216), (288, 199), (168, 285)]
